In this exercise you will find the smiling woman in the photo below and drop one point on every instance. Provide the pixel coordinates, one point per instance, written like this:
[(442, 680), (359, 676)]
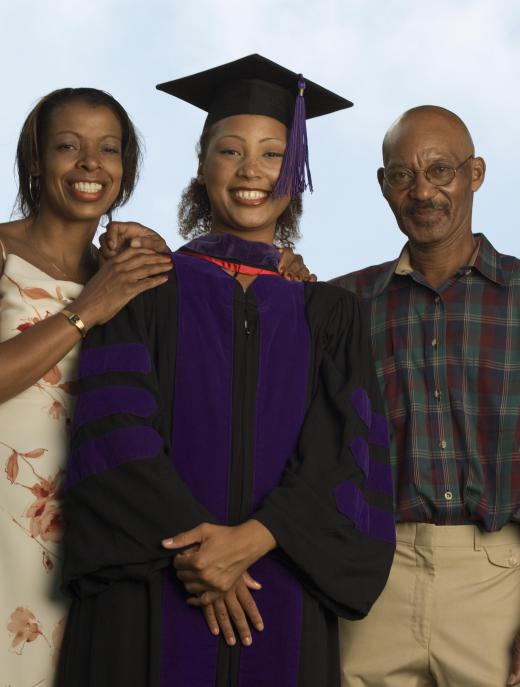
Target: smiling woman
[(77, 160)]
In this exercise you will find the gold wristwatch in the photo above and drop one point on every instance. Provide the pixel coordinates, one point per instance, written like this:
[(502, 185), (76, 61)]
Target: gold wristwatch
[(76, 321)]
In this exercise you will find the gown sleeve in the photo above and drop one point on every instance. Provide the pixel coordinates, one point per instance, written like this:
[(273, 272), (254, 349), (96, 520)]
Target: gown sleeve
[(122, 494), (332, 512)]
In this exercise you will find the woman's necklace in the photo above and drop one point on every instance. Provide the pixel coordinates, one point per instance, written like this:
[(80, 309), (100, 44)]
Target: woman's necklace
[(47, 259)]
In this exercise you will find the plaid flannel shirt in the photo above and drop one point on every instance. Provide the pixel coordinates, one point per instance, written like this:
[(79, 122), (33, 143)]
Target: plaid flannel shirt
[(448, 361)]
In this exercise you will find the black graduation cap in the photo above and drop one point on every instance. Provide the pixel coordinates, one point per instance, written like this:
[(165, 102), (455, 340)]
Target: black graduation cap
[(256, 85)]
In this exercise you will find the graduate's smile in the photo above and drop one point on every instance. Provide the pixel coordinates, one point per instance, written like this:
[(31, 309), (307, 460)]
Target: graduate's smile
[(249, 196)]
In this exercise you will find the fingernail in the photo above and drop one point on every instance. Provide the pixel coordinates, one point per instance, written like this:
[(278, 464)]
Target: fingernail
[(214, 630), (259, 627), (231, 641), (167, 542), (511, 679), (248, 641), (135, 243), (112, 244)]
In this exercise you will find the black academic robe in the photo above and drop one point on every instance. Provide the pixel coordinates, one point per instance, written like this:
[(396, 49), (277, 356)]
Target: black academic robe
[(200, 402)]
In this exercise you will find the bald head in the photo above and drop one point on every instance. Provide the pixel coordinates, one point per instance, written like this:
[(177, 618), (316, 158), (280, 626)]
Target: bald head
[(424, 121)]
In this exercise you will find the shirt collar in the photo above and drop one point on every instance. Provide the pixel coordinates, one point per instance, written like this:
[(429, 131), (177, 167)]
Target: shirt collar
[(404, 263), (485, 259), (488, 261)]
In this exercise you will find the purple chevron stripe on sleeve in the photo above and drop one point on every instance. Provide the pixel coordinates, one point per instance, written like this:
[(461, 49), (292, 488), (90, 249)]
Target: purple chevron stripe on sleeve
[(362, 406), (378, 432), (374, 522), (359, 448), (114, 358)]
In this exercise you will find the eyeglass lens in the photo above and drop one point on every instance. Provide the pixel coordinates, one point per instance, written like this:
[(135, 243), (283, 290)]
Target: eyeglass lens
[(402, 177)]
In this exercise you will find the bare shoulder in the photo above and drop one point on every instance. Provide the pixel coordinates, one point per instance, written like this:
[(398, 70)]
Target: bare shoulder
[(12, 238), (12, 232)]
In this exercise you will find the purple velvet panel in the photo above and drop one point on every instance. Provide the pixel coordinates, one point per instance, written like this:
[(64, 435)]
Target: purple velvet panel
[(362, 405), (378, 432), (282, 379), (201, 435), (201, 440), (359, 448), (281, 397), (189, 650), (273, 658), (110, 450), (374, 522), (99, 403), (114, 358)]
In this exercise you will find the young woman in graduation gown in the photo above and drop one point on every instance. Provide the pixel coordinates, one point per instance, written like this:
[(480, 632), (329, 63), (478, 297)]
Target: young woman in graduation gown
[(229, 453)]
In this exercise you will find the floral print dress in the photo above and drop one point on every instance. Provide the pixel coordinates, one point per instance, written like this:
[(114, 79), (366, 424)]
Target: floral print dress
[(33, 446)]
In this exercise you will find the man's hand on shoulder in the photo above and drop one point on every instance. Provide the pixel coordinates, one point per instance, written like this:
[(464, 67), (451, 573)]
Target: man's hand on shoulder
[(292, 267)]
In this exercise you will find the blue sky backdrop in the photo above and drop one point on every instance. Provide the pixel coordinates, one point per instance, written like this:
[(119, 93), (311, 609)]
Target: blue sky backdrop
[(384, 55)]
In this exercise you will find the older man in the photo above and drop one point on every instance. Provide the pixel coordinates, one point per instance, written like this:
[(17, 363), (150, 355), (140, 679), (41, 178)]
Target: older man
[(445, 320)]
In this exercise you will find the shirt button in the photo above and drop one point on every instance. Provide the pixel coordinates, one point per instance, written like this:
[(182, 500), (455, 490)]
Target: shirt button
[(437, 299), (448, 495), (434, 342), (442, 444), (437, 393), (467, 272)]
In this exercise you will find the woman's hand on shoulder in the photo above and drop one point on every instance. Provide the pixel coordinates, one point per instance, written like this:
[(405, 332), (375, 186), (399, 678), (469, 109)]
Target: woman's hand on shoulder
[(118, 280), (121, 235)]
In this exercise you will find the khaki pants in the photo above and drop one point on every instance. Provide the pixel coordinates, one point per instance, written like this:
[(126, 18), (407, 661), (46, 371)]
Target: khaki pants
[(447, 616)]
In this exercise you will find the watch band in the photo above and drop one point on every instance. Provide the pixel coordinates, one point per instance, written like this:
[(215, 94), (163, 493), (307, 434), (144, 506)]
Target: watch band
[(75, 320)]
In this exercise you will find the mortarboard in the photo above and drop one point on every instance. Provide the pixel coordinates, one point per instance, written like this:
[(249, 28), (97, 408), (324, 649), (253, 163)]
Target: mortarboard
[(256, 85)]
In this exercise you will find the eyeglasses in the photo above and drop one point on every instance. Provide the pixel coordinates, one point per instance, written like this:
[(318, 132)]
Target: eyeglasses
[(437, 174)]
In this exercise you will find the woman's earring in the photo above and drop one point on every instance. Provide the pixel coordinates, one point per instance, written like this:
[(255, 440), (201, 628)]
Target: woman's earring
[(34, 189)]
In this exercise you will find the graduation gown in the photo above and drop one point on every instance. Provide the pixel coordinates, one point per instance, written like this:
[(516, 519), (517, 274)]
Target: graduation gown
[(202, 402)]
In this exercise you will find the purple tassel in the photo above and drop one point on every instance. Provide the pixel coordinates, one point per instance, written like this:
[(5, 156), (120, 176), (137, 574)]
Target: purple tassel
[(295, 175)]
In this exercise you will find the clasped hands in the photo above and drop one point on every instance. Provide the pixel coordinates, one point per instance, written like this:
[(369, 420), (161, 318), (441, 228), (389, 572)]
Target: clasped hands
[(213, 568)]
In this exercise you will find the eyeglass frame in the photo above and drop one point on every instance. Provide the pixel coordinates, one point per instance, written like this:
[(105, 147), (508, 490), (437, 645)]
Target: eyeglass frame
[(425, 172)]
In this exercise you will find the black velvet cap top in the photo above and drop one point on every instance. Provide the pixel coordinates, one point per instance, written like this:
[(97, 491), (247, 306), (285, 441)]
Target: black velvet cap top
[(252, 85)]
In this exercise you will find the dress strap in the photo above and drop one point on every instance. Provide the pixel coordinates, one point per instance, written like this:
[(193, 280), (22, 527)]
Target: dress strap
[(3, 250)]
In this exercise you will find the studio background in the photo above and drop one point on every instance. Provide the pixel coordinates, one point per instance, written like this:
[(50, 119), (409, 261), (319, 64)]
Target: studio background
[(384, 55)]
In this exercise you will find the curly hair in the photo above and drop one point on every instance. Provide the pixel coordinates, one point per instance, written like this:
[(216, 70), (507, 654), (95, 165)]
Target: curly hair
[(32, 137), (194, 212)]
